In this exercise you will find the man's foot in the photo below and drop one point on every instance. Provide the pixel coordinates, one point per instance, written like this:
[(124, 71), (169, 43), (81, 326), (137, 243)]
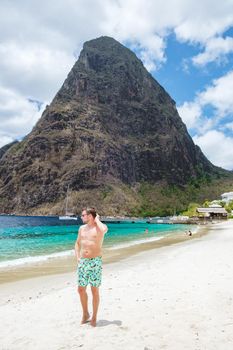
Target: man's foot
[(85, 318), (93, 322)]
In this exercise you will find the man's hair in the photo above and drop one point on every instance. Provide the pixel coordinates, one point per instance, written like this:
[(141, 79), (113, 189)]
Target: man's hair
[(91, 211)]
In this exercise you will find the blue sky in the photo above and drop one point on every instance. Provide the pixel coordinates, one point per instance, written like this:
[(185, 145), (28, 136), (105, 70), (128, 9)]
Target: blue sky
[(187, 47), (179, 77), (183, 80)]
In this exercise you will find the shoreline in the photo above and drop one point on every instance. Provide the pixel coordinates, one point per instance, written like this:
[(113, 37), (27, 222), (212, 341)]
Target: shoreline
[(61, 265)]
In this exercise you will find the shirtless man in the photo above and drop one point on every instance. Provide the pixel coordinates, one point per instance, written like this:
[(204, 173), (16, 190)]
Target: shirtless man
[(88, 253)]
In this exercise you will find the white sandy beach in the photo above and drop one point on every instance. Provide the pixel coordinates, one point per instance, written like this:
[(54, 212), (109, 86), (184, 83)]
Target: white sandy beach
[(174, 297)]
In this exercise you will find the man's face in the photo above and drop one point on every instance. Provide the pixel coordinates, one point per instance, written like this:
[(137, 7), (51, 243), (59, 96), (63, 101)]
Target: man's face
[(84, 216)]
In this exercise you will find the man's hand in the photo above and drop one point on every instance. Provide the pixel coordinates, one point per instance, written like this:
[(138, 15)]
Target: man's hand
[(100, 227), (97, 218)]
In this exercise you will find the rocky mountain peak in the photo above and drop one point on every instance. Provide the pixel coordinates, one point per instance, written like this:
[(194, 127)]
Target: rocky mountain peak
[(110, 124)]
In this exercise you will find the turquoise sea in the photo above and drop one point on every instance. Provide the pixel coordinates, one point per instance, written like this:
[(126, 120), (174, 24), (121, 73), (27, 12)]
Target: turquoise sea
[(29, 239)]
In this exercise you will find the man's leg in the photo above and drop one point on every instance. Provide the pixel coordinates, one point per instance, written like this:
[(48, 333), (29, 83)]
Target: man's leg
[(84, 301), (95, 304)]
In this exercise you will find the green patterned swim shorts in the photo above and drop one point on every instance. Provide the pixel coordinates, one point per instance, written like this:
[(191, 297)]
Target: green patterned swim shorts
[(90, 271)]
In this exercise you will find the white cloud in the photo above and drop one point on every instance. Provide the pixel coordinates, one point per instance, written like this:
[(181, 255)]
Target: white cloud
[(201, 21), (17, 115), (208, 135), (217, 147), (218, 95), (34, 70), (4, 139), (151, 53), (216, 50), (190, 112)]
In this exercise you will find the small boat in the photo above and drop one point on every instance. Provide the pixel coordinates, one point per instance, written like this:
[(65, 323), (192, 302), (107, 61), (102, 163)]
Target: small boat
[(67, 216)]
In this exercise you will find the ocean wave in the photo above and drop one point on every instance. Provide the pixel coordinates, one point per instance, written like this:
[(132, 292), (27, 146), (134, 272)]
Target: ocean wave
[(36, 258)]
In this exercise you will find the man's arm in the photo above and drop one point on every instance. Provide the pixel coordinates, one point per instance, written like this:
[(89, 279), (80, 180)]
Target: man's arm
[(100, 227), (77, 246)]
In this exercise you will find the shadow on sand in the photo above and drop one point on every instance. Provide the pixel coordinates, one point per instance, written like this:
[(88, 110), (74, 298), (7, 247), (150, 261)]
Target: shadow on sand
[(104, 323)]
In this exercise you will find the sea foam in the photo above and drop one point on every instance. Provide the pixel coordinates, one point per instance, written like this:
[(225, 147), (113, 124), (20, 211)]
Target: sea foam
[(132, 243), (34, 259)]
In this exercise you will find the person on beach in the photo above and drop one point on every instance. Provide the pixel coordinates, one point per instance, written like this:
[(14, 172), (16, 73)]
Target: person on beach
[(89, 259)]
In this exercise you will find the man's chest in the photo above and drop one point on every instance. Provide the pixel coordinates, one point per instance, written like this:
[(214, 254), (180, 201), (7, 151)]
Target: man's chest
[(90, 235)]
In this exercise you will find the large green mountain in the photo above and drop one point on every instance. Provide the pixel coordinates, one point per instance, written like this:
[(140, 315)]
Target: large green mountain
[(113, 135)]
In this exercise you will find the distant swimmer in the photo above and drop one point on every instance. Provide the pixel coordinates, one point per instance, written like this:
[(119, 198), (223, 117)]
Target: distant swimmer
[(189, 233), (146, 230)]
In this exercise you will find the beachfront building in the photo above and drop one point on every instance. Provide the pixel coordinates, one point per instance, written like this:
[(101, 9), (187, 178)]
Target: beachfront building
[(212, 213), (227, 197)]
